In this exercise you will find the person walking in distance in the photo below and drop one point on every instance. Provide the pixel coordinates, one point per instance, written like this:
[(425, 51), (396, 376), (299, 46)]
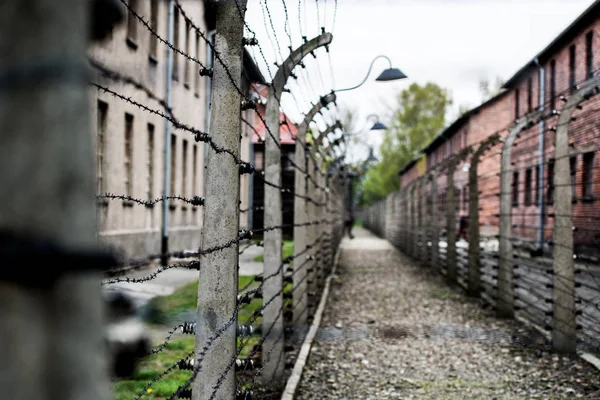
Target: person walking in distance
[(349, 223), (463, 224)]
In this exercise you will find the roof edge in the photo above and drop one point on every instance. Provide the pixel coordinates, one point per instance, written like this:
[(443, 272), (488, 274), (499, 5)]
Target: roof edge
[(589, 14)]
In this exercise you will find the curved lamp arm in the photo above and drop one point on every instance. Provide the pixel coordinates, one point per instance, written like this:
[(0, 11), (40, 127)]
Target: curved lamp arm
[(368, 73), (373, 115)]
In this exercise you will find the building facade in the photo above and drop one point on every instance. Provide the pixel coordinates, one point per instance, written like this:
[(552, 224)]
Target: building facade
[(570, 59), (131, 141)]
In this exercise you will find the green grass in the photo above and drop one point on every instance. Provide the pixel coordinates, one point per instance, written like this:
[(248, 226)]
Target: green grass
[(183, 300), (358, 223), (151, 367), (163, 308), (288, 250)]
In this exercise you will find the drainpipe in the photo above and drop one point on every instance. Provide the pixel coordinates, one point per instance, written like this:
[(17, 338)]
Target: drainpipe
[(164, 244), (541, 148)]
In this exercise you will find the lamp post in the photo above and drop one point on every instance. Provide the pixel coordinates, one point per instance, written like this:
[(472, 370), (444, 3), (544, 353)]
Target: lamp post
[(388, 74), (377, 126)]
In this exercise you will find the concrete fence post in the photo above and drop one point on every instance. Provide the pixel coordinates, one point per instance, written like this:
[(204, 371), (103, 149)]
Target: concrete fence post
[(405, 221), (51, 335), (218, 277), (505, 305), (414, 219), (301, 216), (451, 222), (564, 331), (409, 220), (273, 239), (434, 226), (474, 261), (424, 223)]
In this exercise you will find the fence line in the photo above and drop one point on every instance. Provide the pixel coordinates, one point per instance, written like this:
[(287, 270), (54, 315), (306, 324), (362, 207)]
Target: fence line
[(555, 286), (288, 289)]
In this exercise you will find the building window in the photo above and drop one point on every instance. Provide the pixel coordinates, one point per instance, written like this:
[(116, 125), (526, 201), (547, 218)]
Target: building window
[(588, 176), (288, 166), (101, 147), (195, 171), (153, 51), (550, 180), (176, 44), (128, 159), (529, 95), (552, 83), (132, 21), (186, 66), (517, 103), (197, 85), (572, 69), (150, 166), (589, 54), (537, 184), (173, 164), (184, 161), (528, 186), (573, 171), (259, 160), (515, 189)]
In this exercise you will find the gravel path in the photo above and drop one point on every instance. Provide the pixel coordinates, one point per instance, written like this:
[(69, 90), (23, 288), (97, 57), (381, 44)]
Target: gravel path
[(393, 330)]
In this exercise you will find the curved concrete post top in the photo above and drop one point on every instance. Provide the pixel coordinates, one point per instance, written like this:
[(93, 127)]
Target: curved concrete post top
[(483, 146), (310, 115), (323, 135), (527, 122), (285, 70)]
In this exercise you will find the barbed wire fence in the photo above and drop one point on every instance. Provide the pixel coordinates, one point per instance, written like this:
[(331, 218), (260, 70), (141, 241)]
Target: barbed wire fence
[(539, 266), (285, 296)]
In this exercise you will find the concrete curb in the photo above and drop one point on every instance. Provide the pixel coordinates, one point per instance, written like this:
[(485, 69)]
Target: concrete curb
[(294, 379)]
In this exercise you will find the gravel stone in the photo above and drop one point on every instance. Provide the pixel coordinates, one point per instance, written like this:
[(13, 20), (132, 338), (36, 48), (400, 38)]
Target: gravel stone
[(396, 330)]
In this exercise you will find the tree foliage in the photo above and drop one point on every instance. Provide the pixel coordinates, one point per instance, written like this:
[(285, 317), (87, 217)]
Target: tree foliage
[(419, 116)]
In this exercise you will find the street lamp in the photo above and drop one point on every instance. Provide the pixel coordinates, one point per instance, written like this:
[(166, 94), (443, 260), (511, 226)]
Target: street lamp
[(389, 74), (377, 126)]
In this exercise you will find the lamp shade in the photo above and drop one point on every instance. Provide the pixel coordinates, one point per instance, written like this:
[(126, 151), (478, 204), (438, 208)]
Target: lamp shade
[(378, 126), (391, 74), (372, 158)]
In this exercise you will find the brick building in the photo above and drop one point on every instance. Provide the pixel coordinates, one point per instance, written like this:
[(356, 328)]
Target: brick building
[(130, 142), (569, 59)]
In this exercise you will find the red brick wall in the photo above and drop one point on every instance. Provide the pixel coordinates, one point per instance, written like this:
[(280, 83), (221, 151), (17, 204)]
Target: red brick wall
[(499, 114)]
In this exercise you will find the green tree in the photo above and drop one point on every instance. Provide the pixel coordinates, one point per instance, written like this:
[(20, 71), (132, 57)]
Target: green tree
[(419, 116)]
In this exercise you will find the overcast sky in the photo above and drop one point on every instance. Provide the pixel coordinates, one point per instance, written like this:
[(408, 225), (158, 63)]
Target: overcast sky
[(454, 43)]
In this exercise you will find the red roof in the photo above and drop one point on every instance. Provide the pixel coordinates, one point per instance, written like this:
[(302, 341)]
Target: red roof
[(287, 130)]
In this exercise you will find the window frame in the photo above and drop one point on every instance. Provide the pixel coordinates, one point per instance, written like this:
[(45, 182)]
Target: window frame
[(151, 144), (528, 187), (550, 181), (153, 42), (128, 153), (515, 189), (587, 181), (589, 54), (101, 123), (131, 28), (572, 68)]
